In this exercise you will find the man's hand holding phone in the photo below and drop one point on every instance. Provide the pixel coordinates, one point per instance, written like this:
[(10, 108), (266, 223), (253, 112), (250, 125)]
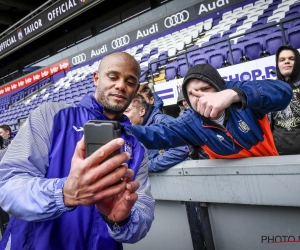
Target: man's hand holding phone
[(91, 183)]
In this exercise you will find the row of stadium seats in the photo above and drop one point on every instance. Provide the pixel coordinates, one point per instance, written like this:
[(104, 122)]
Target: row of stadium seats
[(69, 89), (233, 23)]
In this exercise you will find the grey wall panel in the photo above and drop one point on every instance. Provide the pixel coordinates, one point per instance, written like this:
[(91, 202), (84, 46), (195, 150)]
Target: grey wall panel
[(106, 35), (127, 26), (237, 227), (70, 51), (152, 15), (55, 58), (43, 63), (88, 43), (178, 4), (169, 231)]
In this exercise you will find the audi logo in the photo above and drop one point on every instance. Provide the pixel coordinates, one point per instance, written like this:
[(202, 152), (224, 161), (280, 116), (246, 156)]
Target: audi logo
[(79, 59), (177, 18), (120, 42)]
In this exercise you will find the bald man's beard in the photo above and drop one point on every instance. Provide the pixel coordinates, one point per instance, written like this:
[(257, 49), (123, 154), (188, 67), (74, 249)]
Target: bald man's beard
[(111, 108)]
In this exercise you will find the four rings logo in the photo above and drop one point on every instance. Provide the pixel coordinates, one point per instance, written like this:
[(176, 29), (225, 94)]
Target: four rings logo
[(177, 18), (79, 59), (120, 42)]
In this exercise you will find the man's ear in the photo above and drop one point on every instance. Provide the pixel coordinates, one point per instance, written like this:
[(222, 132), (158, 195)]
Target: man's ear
[(96, 78), (151, 100), (137, 88), (142, 111)]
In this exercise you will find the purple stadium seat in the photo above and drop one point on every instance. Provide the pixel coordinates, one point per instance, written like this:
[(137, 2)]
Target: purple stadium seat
[(171, 70), (224, 45), (278, 29), (91, 92), (139, 50), (68, 96), (289, 15), (259, 23), (208, 48), (288, 25), (199, 59), (243, 18), (294, 36), (216, 58), (145, 58), (243, 39), (154, 65), (235, 25), (82, 91), (216, 21), (163, 55), (253, 48), (296, 22), (262, 34), (273, 6), (228, 32), (194, 50), (193, 53), (182, 68), (215, 37), (268, 12), (143, 74), (153, 51), (294, 5), (237, 54)]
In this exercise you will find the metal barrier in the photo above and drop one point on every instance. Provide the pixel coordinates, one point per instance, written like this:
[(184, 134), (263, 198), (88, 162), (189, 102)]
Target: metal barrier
[(249, 203)]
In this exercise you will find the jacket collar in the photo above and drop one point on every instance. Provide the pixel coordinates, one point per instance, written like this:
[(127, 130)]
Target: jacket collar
[(90, 103), (148, 114)]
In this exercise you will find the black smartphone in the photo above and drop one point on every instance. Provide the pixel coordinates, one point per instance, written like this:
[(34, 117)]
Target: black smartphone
[(99, 132)]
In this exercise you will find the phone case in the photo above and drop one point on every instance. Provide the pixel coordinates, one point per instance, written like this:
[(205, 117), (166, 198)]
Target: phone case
[(99, 132)]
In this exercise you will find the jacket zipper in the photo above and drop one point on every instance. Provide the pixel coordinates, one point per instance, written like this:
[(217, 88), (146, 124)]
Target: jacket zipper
[(222, 128)]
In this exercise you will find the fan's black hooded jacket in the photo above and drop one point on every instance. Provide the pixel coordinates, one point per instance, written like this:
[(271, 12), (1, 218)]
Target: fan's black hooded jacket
[(286, 123)]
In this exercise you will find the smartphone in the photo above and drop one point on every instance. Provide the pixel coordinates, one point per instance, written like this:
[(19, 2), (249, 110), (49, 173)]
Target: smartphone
[(99, 132)]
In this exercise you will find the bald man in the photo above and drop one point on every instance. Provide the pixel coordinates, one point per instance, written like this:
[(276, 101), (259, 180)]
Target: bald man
[(61, 200)]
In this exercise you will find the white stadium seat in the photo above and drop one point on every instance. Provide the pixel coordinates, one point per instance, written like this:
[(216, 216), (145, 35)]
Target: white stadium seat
[(144, 64), (259, 2), (195, 33), (237, 10), (199, 27), (248, 6), (188, 39), (226, 14), (180, 45), (208, 24), (172, 51), (276, 17), (250, 20), (282, 9)]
